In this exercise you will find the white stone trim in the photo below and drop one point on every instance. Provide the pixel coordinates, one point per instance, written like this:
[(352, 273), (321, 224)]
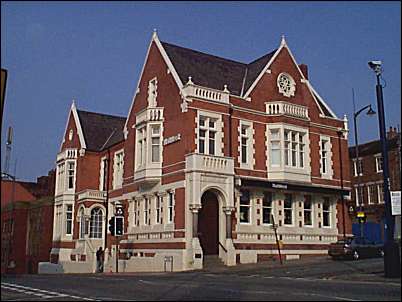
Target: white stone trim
[(330, 172), (292, 90), (116, 183), (315, 93)]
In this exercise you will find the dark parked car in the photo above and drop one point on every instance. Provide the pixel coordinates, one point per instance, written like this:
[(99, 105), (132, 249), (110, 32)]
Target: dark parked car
[(355, 248)]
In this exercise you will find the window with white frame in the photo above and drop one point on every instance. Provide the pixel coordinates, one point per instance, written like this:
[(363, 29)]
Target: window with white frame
[(60, 177), (324, 156), (59, 219), (380, 189), (152, 92), (275, 147), (246, 145), (378, 163), (82, 223), (70, 175), (358, 167), (245, 207), (118, 165), (69, 219), (158, 209), (359, 195), (141, 146), (267, 208), (207, 129), (288, 210), (372, 194), (293, 148), (307, 211), (170, 205), (102, 174), (146, 210), (156, 143), (136, 215), (326, 212), (96, 223)]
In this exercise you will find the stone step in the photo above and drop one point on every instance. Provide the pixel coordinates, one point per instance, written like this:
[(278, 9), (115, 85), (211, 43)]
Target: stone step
[(212, 261)]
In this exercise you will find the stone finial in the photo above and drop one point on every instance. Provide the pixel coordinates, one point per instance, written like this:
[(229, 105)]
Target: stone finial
[(155, 33), (189, 82), (225, 88), (283, 41)]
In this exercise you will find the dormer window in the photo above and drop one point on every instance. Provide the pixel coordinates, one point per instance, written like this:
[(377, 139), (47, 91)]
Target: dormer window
[(152, 92), (286, 85)]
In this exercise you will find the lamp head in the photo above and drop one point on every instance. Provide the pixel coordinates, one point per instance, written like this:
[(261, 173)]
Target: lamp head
[(370, 111), (375, 66)]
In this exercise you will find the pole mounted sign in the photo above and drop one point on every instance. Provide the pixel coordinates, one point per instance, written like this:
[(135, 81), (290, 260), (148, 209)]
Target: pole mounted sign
[(396, 202)]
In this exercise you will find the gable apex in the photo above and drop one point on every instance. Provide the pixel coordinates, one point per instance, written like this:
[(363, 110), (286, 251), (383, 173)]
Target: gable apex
[(74, 114), (282, 45), (154, 39)]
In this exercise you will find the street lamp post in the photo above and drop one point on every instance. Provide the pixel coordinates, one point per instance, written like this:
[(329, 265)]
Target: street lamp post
[(369, 112), (392, 266)]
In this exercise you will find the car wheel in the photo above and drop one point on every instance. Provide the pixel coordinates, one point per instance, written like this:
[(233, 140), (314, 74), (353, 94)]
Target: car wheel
[(381, 253), (356, 255)]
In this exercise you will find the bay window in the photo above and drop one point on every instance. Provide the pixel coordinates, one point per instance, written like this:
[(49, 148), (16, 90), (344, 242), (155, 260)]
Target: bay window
[(70, 175), (69, 219), (156, 141), (275, 150)]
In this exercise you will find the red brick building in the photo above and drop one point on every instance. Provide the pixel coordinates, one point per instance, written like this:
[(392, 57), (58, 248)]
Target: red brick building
[(367, 179), (213, 154), (27, 223)]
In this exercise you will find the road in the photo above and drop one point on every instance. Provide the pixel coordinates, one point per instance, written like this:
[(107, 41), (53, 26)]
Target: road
[(308, 280)]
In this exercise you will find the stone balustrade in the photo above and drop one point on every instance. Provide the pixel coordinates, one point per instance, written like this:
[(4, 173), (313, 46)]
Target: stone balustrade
[(194, 91), (284, 108), (209, 163), (92, 195)]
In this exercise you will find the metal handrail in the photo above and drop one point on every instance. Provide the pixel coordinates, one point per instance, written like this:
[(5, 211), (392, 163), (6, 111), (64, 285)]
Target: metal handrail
[(221, 245)]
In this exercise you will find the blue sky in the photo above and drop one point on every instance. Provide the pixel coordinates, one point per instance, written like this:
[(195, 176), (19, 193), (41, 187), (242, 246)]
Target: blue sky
[(93, 52)]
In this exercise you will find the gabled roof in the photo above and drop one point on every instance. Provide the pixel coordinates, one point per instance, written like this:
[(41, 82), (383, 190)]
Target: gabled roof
[(212, 71), (101, 130)]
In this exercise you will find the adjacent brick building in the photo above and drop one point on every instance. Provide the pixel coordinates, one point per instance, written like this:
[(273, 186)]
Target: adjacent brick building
[(27, 223), (213, 154), (367, 179)]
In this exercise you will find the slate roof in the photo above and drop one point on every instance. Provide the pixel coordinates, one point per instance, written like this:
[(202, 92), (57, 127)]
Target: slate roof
[(98, 127), (214, 72), (373, 147)]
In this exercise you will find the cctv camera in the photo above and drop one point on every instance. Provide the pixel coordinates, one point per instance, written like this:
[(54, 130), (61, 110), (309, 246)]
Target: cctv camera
[(374, 64)]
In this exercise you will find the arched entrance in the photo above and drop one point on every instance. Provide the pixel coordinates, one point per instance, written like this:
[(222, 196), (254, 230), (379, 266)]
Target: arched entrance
[(208, 224)]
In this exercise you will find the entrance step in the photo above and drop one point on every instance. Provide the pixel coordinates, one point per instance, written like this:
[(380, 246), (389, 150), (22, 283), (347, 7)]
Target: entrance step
[(212, 262)]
